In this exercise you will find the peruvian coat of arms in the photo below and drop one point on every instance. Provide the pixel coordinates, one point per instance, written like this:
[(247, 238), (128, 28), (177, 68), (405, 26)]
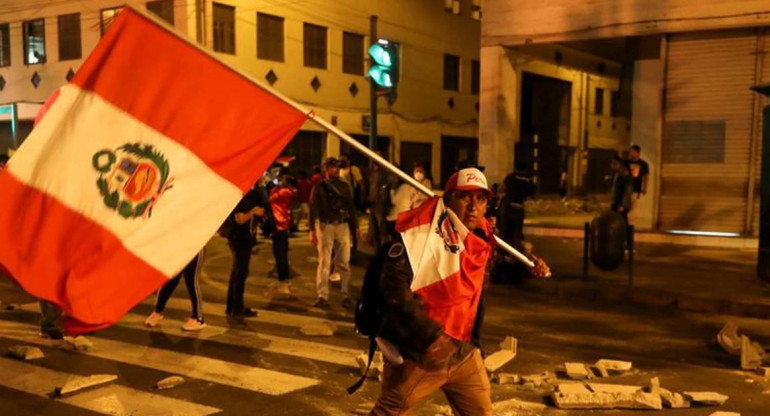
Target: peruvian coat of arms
[(448, 233), (132, 178)]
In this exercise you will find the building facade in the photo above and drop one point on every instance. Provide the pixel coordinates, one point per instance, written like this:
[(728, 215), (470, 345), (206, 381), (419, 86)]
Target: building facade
[(312, 51), (676, 76)]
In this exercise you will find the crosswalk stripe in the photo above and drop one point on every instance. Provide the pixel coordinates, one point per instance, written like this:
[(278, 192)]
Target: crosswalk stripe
[(114, 399), (264, 315), (216, 371), (264, 342)]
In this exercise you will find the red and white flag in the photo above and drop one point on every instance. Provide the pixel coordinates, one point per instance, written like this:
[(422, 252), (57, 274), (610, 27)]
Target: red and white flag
[(131, 170), (448, 262)]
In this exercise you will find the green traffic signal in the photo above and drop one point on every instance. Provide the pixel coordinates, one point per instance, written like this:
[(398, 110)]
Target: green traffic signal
[(384, 68), (381, 76), (381, 55)]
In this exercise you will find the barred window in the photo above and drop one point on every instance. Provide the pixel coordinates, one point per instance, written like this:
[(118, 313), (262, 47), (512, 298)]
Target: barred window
[(315, 43), (69, 37), (163, 9), (269, 37), (224, 28), (34, 41)]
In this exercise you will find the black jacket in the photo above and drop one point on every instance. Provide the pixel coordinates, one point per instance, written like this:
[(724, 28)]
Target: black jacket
[(331, 201)]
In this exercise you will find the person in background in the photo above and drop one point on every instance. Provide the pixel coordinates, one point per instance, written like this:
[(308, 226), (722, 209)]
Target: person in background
[(639, 171), (241, 241), (351, 174), (517, 188), (280, 201), (563, 183), (304, 187), (332, 219), (191, 274), (622, 187), (317, 176), (405, 196)]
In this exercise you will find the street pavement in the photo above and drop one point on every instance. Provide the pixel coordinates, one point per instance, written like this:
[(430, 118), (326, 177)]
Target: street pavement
[(265, 366)]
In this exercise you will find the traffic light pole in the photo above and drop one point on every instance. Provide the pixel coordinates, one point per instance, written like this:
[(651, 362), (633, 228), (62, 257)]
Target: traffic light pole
[(372, 89)]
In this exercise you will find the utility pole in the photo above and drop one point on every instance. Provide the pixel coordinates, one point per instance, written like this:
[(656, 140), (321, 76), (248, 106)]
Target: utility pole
[(372, 89)]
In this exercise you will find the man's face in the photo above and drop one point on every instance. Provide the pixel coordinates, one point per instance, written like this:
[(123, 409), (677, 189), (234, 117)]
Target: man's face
[(469, 206), (332, 171), (615, 166), (633, 154)]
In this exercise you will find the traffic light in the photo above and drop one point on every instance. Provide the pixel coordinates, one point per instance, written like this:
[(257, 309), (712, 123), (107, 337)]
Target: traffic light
[(384, 68)]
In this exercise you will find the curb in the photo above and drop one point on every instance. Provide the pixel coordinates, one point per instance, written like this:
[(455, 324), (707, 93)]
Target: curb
[(647, 297)]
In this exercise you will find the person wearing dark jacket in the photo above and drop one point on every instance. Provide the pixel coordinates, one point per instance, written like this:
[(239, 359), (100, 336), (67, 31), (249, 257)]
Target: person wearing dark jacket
[(332, 220), (518, 187), (622, 187), (241, 240), (421, 358)]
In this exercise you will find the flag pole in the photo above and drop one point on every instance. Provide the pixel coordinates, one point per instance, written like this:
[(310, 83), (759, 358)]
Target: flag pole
[(323, 123)]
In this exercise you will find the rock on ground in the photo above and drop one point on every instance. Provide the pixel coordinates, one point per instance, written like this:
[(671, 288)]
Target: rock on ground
[(729, 340), (169, 382), (673, 400), (725, 414), (751, 354), (604, 396), (377, 367), (25, 352), (507, 378), (495, 361), (79, 343), (576, 371), (615, 365), (600, 371), (84, 383), (323, 329), (509, 344), (706, 398)]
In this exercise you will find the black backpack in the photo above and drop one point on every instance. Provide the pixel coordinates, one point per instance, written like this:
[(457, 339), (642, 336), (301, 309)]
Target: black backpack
[(371, 308)]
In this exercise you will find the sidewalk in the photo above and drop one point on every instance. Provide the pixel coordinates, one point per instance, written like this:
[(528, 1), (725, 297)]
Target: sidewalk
[(690, 278)]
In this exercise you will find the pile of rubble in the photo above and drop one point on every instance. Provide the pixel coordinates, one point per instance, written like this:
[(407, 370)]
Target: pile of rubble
[(753, 356)]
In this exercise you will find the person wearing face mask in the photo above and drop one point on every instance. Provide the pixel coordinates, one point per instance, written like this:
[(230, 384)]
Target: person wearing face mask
[(405, 196)]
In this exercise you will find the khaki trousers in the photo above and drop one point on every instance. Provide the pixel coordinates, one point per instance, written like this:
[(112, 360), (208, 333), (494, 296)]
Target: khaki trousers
[(465, 384)]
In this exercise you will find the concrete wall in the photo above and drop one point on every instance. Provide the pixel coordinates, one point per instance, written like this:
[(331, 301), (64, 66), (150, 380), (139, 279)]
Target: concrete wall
[(517, 22), (423, 28)]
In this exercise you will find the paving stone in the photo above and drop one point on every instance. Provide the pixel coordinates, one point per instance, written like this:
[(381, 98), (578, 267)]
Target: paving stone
[(79, 343), (600, 371), (169, 382), (725, 414), (322, 329), (615, 365), (507, 378), (25, 352), (729, 340), (706, 398), (654, 387), (576, 371), (751, 354), (528, 387), (495, 361), (81, 384), (509, 344), (604, 396), (673, 400)]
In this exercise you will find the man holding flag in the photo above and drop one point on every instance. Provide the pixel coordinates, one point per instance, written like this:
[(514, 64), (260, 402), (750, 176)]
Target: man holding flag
[(432, 283)]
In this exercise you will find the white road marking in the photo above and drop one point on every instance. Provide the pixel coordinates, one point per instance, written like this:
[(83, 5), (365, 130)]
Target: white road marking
[(265, 342), (114, 399), (216, 371)]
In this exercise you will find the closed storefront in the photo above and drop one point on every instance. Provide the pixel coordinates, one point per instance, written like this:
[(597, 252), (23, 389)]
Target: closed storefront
[(709, 131)]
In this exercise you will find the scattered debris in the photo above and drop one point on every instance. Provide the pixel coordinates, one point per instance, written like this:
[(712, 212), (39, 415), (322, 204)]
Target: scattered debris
[(537, 380), (25, 352), (577, 371), (512, 405), (615, 365), (322, 329), (83, 383), (673, 400), (507, 378), (169, 382), (763, 371), (725, 414), (528, 387), (495, 361), (654, 387), (79, 343), (604, 396), (729, 340), (377, 367), (600, 370), (363, 409), (706, 398), (751, 354)]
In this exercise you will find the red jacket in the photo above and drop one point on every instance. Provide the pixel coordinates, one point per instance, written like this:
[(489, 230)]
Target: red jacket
[(280, 200)]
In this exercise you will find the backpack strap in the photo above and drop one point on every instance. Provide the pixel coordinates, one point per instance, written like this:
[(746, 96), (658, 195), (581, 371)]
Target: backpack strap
[(357, 385)]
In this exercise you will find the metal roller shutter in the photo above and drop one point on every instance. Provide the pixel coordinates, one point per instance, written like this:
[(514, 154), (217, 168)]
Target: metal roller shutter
[(709, 111), (764, 78)]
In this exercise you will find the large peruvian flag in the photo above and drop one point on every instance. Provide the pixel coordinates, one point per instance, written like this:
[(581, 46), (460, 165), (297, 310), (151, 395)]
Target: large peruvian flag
[(448, 262), (131, 170)]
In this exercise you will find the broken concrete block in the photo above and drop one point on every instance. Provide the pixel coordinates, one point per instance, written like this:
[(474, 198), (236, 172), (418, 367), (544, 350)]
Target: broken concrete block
[(751, 354), (604, 396), (706, 398), (725, 414), (377, 367), (576, 371), (79, 343), (81, 384), (615, 365), (322, 329), (495, 361), (536, 380), (600, 371), (654, 387), (507, 378), (25, 352), (363, 409), (528, 387), (764, 371), (673, 400), (729, 340), (509, 344), (169, 382), (515, 407)]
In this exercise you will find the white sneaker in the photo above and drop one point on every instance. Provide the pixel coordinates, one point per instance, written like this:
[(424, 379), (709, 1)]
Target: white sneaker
[(335, 277), (153, 320), (283, 288), (193, 324)]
